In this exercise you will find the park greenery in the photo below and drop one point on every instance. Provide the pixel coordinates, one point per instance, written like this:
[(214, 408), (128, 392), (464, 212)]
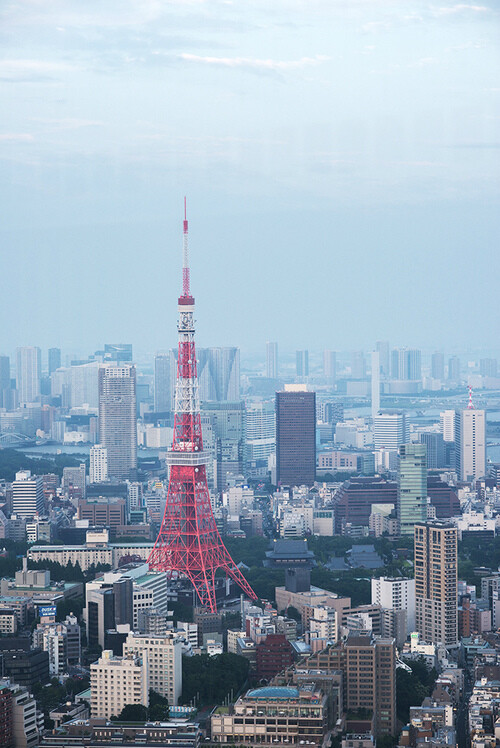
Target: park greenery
[(157, 711), (412, 688), (209, 680), (12, 460)]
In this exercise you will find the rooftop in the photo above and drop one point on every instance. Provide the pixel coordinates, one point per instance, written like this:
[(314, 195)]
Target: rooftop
[(273, 692)]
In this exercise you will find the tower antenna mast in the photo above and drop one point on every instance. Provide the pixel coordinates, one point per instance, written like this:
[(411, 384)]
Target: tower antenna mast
[(189, 543)]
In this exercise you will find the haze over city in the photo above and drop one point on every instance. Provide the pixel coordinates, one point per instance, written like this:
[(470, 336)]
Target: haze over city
[(340, 161)]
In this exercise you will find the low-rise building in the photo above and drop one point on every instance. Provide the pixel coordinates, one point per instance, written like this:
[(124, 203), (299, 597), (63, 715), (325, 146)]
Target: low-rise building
[(274, 714)]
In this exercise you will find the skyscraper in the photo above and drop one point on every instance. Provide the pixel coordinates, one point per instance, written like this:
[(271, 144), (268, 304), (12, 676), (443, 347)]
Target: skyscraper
[(358, 365), (302, 363), (119, 352), (260, 430), (412, 487), (218, 373), (4, 382), (163, 392), (436, 582), (375, 383), (27, 495), (296, 437), (29, 369), (271, 360), (437, 365), (390, 430), (454, 369), (488, 367), (117, 418), (54, 359), (330, 367), (406, 364), (98, 466), (470, 444), (382, 346)]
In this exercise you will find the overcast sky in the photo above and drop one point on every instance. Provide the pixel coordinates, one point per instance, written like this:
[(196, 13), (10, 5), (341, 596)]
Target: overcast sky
[(340, 158)]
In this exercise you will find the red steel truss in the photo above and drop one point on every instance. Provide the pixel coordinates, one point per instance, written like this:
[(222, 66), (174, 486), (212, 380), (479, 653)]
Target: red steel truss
[(189, 543)]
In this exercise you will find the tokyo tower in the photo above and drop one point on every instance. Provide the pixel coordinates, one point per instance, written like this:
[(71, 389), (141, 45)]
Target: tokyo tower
[(189, 543)]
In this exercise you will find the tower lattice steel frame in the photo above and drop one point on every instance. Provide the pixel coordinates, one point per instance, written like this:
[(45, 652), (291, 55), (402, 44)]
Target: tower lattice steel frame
[(189, 543)]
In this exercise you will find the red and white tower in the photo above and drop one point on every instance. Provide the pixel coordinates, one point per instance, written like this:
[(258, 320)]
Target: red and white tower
[(189, 543)]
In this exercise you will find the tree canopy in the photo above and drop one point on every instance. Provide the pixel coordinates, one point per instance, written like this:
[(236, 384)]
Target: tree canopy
[(208, 680)]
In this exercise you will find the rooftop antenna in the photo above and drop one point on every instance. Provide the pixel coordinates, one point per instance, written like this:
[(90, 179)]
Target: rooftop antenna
[(470, 406), (185, 264)]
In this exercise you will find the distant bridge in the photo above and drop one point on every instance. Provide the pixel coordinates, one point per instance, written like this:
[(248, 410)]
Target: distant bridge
[(13, 439)]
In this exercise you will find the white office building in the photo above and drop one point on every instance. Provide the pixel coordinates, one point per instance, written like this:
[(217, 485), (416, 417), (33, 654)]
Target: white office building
[(396, 593), (98, 470), (447, 425), (470, 444), (29, 370), (27, 495), (390, 430)]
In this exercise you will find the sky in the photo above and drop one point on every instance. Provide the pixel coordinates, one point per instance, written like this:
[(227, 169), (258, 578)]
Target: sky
[(340, 160)]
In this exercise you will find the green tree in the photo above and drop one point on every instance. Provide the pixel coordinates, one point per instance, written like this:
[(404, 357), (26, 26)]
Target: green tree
[(210, 679), (133, 713)]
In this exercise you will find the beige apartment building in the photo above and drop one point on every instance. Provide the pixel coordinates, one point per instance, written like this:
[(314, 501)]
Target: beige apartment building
[(164, 656), (117, 681), (436, 582)]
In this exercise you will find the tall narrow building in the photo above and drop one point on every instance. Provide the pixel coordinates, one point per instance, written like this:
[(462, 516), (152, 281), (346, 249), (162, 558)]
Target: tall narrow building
[(302, 363), (271, 359), (296, 437), (54, 359), (375, 383), (330, 367), (412, 487), (117, 419), (436, 582), (470, 444), (29, 372), (27, 495)]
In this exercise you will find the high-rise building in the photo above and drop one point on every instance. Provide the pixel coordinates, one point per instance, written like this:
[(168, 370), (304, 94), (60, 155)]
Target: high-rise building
[(27, 495), (454, 369), (296, 437), (74, 481), (375, 383), (98, 466), (119, 352), (271, 359), (260, 430), (302, 363), (396, 593), (164, 654), (358, 365), (227, 420), (29, 372), (470, 444), (5, 382), (447, 425), (436, 452), (218, 373), (488, 367), (117, 419), (437, 365), (330, 367), (116, 682), (54, 359), (390, 430), (412, 487), (406, 364), (163, 391), (436, 582), (382, 346)]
